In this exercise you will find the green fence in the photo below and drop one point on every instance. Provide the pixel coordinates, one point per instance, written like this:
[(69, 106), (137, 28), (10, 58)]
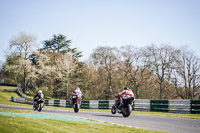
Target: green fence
[(68, 104), (159, 105), (195, 106), (12, 99), (103, 105), (46, 102), (85, 104), (57, 103)]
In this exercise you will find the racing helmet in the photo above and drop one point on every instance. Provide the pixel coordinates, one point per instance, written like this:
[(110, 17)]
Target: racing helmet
[(40, 91), (77, 88), (126, 88)]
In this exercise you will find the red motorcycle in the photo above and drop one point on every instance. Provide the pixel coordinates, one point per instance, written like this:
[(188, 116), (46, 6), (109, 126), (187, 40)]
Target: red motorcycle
[(76, 102), (125, 108)]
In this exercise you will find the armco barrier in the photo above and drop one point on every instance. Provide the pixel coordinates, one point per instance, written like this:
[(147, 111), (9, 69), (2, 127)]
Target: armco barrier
[(46, 102), (173, 106), (12, 99), (159, 105), (62, 103), (103, 104), (179, 106), (85, 104), (57, 103), (94, 104), (142, 105), (4, 89), (195, 106), (51, 102), (68, 104), (29, 101)]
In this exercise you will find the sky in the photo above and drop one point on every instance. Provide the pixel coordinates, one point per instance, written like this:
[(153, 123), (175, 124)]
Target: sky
[(92, 23)]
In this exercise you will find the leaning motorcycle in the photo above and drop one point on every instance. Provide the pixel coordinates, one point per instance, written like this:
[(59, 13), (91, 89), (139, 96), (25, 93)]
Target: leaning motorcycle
[(76, 102), (38, 104), (126, 106)]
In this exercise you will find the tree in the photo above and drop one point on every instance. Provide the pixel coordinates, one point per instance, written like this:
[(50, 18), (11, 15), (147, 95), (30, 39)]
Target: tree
[(60, 44), (54, 75), (22, 45), (134, 68), (161, 60), (186, 77), (106, 58)]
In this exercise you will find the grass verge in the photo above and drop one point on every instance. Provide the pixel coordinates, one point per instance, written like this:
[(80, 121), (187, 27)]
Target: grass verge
[(7, 87), (17, 111), (5, 98), (190, 116), (25, 125)]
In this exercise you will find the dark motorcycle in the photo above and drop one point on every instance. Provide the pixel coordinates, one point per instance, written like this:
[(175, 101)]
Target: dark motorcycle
[(76, 102), (125, 108), (38, 104)]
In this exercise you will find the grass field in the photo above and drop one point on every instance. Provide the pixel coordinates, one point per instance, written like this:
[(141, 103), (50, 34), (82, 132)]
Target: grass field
[(7, 87), (25, 125)]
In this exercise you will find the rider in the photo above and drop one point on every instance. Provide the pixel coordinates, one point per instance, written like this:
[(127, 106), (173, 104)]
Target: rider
[(39, 95), (77, 92), (126, 93)]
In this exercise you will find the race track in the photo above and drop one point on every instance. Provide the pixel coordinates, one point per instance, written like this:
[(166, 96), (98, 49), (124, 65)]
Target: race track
[(159, 123)]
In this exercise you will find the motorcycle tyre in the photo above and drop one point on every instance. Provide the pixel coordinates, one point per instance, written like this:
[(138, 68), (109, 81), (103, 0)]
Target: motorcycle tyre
[(128, 111), (40, 107), (113, 109), (76, 109)]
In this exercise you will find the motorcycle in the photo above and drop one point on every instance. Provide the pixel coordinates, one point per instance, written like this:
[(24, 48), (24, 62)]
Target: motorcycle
[(126, 106), (76, 102), (38, 104)]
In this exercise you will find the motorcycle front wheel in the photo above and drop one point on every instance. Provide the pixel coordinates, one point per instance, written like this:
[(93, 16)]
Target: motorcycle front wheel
[(76, 109), (40, 107), (113, 109)]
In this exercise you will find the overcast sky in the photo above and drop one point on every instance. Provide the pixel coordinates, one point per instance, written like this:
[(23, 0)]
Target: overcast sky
[(93, 23)]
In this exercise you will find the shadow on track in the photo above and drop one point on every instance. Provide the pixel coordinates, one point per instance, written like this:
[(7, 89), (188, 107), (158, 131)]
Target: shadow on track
[(108, 115)]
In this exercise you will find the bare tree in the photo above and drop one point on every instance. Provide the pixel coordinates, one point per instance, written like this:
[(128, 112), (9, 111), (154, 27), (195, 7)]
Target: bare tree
[(134, 67), (161, 61), (106, 57), (186, 78)]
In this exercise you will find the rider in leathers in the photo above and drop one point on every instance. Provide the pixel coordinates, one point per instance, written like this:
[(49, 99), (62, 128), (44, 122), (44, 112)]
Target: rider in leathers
[(77, 92), (126, 93), (39, 95)]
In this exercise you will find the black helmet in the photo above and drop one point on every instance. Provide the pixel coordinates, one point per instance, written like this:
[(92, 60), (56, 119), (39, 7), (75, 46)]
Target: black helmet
[(126, 88)]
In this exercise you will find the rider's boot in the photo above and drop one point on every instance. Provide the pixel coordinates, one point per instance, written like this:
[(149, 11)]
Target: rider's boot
[(119, 108)]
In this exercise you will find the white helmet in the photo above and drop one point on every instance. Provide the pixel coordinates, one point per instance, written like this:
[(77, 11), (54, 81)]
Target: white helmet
[(40, 91), (77, 88)]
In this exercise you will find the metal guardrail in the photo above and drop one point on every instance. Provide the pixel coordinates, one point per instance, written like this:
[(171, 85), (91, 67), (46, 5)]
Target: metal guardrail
[(159, 105), (5, 89), (179, 106), (172, 106)]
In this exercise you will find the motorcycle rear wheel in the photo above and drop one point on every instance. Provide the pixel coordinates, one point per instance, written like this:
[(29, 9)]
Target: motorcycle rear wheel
[(127, 111)]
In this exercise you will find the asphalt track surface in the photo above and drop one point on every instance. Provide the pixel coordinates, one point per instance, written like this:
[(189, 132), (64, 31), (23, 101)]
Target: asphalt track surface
[(159, 123)]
